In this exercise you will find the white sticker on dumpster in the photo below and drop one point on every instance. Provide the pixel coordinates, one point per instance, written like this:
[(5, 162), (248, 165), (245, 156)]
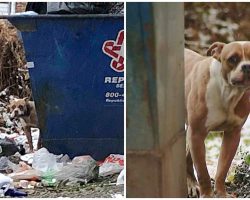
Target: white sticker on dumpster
[(30, 64), (115, 50)]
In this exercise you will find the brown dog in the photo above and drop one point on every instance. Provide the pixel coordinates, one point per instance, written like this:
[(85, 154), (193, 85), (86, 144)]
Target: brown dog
[(26, 112), (217, 99)]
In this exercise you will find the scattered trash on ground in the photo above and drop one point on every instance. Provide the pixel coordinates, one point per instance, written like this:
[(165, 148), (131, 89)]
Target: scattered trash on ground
[(7, 147), (81, 170), (120, 178), (113, 164), (49, 172)]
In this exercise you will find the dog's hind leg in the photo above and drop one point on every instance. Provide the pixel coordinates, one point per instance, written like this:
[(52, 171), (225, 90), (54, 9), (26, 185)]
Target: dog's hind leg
[(193, 188)]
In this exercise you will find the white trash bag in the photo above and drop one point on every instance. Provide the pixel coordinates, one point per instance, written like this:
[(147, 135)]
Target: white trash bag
[(113, 164), (43, 161), (5, 181), (120, 178)]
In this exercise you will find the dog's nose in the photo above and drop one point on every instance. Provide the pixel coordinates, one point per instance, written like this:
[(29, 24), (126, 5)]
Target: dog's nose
[(246, 68)]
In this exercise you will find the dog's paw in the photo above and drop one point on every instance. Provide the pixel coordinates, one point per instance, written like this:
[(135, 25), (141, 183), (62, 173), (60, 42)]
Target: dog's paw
[(193, 188), (30, 151), (210, 195), (224, 195)]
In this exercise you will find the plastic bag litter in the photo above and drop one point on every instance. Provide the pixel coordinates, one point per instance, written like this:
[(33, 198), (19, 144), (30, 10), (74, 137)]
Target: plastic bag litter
[(82, 159), (43, 161), (64, 159), (20, 139), (35, 132), (4, 181), (113, 164), (48, 178), (28, 158), (78, 7), (22, 166), (7, 147), (79, 171), (26, 13), (30, 174), (6, 165), (120, 178)]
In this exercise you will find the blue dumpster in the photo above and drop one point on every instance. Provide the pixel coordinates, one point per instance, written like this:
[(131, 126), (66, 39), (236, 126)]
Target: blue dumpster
[(76, 71)]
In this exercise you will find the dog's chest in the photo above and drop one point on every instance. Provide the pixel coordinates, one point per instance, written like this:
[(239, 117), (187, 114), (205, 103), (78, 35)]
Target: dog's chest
[(221, 102), (222, 117)]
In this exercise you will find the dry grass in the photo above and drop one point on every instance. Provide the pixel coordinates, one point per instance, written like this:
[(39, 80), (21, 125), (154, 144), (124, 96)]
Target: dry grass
[(12, 59)]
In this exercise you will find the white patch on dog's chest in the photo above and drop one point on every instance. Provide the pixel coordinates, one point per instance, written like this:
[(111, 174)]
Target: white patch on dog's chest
[(24, 124), (221, 101)]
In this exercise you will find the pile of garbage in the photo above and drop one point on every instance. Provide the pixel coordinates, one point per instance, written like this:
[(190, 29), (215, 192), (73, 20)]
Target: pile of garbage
[(44, 169)]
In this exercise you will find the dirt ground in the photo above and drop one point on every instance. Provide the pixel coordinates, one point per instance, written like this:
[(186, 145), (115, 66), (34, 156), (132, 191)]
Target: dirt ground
[(100, 188)]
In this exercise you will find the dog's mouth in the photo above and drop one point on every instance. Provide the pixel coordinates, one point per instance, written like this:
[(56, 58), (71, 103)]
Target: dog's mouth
[(15, 115), (240, 82)]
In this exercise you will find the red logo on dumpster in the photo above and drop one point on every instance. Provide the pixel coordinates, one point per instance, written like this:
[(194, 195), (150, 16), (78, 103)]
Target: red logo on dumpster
[(114, 49)]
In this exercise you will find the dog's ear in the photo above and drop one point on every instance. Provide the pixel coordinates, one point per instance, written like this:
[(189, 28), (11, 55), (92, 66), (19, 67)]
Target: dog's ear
[(215, 50), (26, 99)]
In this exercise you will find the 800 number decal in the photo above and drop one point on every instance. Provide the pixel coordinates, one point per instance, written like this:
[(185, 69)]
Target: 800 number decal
[(113, 94)]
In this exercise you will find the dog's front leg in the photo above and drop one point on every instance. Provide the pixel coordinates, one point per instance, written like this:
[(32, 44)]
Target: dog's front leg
[(229, 146), (27, 131), (197, 148), (39, 142)]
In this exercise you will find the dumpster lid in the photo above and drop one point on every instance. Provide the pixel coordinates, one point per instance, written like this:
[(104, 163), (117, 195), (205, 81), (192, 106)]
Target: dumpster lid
[(27, 23)]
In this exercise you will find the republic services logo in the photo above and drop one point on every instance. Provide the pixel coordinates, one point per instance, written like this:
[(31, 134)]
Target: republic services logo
[(115, 50)]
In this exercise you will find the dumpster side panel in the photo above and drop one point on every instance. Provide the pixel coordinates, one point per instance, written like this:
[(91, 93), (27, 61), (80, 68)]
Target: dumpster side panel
[(69, 88)]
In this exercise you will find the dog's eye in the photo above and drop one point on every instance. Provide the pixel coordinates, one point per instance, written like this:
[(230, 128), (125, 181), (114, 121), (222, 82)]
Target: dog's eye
[(20, 107), (13, 107), (234, 59)]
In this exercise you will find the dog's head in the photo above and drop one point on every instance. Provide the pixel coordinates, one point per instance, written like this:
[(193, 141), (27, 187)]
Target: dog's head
[(18, 107), (235, 60)]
